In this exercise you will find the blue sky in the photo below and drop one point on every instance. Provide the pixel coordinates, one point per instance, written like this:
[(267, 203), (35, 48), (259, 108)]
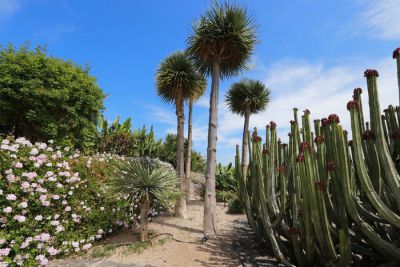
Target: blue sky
[(311, 54)]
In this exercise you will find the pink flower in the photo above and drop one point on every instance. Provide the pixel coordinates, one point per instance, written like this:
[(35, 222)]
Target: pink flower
[(39, 217), (42, 259), (68, 208), (87, 246), (75, 244), (11, 197), (7, 210), (55, 223), (20, 218), (5, 251), (25, 185), (60, 228), (24, 204), (19, 165), (34, 152), (52, 251)]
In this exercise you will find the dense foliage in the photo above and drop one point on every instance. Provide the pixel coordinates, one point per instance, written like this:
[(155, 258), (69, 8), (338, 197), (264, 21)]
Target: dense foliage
[(53, 203), (168, 154), (43, 98)]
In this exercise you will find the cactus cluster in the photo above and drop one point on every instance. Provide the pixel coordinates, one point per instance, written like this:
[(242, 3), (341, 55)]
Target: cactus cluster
[(322, 199)]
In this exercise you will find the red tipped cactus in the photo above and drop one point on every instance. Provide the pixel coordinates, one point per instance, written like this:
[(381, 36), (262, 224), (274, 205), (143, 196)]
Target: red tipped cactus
[(371, 73), (350, 143), (272, 124), (396, 53), (293, 231), (357, 91), (292, 122), (330, 165), (300, 157), (333, 118), (324, 122), (353, 104), (319, 139), (281, 169), (265, 151), (321, 186), (395, 135), (306, 111), (304, 146), (368, 135)]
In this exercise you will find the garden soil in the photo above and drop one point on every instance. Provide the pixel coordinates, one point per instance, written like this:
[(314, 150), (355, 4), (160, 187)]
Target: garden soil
[(178, 242)]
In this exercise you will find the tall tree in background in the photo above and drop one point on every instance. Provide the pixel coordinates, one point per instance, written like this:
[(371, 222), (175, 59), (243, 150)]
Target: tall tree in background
[(245, 98), (177, 78), (195, 95), (221, 44)]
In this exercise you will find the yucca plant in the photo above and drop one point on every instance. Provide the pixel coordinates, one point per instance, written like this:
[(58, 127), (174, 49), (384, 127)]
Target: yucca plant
[(138, 179), (221, 44), (177, 79)]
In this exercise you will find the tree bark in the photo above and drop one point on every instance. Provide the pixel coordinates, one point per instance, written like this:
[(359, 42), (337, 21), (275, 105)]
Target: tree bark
[(144, 218), (245, 138), (189, 153), (398, 75), (209, 222), (180, 208)]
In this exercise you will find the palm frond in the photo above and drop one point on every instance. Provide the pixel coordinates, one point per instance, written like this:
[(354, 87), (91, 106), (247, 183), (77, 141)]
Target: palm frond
[(225, 33), (177, 78), (251, 95)]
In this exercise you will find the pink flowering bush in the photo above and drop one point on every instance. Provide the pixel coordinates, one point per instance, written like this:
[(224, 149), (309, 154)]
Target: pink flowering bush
[(52, 202)]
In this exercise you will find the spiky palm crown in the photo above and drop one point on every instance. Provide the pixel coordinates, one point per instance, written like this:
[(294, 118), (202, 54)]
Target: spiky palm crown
[(249, 95), (137, 178), (226, 34), (177, 78)]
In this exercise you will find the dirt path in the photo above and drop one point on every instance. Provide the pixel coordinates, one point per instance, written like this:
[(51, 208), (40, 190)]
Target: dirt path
[(231, 248)]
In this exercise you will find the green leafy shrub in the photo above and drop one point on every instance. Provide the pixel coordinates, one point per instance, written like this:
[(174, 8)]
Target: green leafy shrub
[(43, 98), (52, 202), (168, 154)]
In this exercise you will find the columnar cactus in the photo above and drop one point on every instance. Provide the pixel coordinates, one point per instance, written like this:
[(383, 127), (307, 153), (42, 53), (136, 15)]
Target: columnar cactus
[(332, 200)]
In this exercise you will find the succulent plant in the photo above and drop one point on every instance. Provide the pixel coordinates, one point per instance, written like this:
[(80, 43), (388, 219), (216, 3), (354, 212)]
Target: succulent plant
[(327, 200)]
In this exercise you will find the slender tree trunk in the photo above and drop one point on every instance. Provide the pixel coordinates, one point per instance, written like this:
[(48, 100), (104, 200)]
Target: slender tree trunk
[(189, 152), (245, 138), (210, 203), (398, 75), (180, 208), (144, 218)]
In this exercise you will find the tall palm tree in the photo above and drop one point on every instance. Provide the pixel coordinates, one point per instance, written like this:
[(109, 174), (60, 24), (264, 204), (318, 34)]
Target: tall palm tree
[(221, 44), (195, 95), (147, 183), (247, 97), (177, 78)]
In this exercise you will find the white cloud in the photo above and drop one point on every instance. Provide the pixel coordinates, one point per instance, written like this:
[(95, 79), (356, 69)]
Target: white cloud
[(9, 8), (381, 19), (321, 89), (55, 33)]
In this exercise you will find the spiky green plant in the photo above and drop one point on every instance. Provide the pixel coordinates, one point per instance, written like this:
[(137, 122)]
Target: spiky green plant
[(221, 43), (147, 183), (247, 97), (324, 200), (177, 79)]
